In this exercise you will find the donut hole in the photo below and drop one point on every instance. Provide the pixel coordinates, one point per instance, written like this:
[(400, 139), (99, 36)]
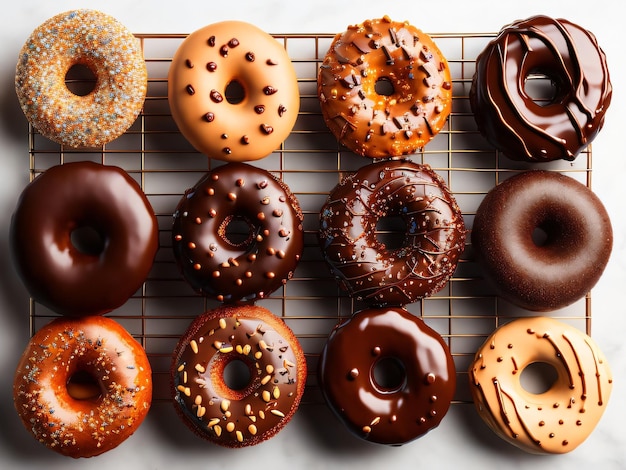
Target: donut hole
[(538, 377), (237, 231), (391, 232), (84, 386), (235, 92), (384, 86), (554, 235), (237, 375), (88, 240), (541, 88), (389, 374), (80, 80)]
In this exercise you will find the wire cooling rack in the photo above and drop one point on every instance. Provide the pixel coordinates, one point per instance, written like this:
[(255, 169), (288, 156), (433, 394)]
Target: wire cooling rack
[(311, 162)]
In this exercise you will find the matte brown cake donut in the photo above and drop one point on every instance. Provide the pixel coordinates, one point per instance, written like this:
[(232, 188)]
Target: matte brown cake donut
[(557, 420), (528, 129), (261, 398), (385, 88), (83, 197), (82, 386), (412, 399), (433, 242), (244, 125), (534, 273), (221, 266)]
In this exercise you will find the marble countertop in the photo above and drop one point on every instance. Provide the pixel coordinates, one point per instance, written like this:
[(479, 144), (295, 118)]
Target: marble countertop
[(314, 439)]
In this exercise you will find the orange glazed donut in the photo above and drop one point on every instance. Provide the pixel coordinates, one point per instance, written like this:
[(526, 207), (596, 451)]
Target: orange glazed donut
[(233, 91), (83, 385), (99, 42), (557, 420), (385, 88)]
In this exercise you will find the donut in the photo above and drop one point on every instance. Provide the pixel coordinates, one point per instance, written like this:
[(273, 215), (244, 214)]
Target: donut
[(384, 88), (61, 208), (387, 375), (217, 263), (233, 91), (82, 386), (434, 237), (557, 420), (255, 401), (113, 55), (563, 124), (542, 239)]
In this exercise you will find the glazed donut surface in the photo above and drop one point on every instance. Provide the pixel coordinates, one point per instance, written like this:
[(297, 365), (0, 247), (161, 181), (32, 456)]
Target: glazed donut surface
[(557, 420), (90, 419), (99, 42)]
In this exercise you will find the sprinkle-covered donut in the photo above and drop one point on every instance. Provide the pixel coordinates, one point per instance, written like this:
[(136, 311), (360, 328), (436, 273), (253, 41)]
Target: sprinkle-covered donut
[(388, 376), (385, 88), (83, 238), (112, 54), (251, 404), (554, 421), (561, 125), (233, 91), (225, 267), (83, 385), (433, 242), (543, 239)]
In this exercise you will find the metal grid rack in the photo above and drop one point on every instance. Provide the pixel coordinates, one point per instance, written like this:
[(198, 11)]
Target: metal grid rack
[(311, 162)]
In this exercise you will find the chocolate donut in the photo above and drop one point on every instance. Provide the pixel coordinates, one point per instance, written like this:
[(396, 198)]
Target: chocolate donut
[(221, 266), (385, 88), (534, 273), (244, 412), (517, 124), (83, 196), (414, 397), (434, 238)]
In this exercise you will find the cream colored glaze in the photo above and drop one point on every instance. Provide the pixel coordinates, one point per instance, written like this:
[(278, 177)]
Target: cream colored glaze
[(205, 64), (561, 418)]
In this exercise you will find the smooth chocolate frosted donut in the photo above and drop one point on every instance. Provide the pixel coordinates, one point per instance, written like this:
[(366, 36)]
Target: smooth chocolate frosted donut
[(250, 123), (433, 241), (221, 266), (385, 88), (420, 387), (62, 201), (513, 121), (554, 421), (261, 405), (82, 386), (534, 273)]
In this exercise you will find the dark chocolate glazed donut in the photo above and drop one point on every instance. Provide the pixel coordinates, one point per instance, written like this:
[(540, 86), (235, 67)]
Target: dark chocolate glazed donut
[(434, 238), (224, 267), (537, 274), (511, 120), (387, 413), (83, 196)]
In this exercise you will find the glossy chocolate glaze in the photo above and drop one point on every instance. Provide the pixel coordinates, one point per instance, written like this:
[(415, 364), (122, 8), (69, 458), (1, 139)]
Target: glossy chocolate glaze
[(433, 242), (71, 196), (387, 124), (509, 118), (372, 412), (271, 352), (216, 265), (558, 271)]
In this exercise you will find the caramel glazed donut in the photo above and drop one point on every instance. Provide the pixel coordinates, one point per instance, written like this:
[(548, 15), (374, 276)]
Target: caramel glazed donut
[(63, 275), (109, 51), (385, 88), (535, 274), (242, 126), (406, 404), (246, 412), (562, 417), (433, 242), (83, 385), (526, 129)]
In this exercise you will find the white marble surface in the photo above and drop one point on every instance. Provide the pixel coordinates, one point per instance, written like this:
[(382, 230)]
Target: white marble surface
[(314, 439)]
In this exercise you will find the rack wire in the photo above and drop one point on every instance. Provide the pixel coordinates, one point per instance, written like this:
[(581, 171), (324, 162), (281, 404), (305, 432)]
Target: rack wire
[(311, 162)]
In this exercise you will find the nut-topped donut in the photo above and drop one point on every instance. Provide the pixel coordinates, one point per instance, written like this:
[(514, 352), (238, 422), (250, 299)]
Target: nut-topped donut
[(434, 237), (554, 421), (385, 88), (566, 122), (233, 91), (212, 258)]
